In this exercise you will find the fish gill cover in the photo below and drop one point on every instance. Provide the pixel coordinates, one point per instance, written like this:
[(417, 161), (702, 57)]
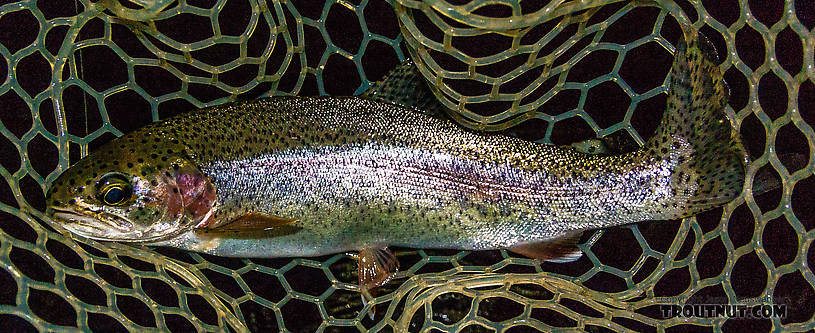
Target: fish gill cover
[(78, 74)]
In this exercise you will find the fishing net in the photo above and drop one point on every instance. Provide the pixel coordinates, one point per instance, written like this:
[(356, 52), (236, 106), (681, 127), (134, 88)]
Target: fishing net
[(77, 74)]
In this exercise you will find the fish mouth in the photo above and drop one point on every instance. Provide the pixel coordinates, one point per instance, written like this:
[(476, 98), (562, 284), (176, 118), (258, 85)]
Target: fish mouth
[(104, 226), (94, 225)]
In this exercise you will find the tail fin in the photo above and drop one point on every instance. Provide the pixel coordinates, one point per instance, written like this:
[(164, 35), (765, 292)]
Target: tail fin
[(710, 156)]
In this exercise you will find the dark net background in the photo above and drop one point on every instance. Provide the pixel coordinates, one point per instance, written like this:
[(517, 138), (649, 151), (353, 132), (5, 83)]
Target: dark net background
[(77, 74)]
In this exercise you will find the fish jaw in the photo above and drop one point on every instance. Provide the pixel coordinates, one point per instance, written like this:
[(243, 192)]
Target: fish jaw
[(106, 226), (89, 223)]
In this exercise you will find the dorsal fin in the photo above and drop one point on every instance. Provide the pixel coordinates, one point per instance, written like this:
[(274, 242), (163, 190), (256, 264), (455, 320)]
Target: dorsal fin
[(404, 85)]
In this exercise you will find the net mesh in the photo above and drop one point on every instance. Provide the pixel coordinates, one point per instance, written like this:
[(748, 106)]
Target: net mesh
[(76, 75)]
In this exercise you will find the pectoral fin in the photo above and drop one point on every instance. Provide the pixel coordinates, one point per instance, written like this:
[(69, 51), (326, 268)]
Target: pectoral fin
[(563, 249), (376, 266), (253, 222)]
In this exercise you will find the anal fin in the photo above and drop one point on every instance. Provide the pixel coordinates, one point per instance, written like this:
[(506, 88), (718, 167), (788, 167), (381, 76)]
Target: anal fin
[(562, 249), (376, 266)]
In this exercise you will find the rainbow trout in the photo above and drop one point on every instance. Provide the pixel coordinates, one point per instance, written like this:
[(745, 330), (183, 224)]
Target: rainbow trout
[(307, 176)]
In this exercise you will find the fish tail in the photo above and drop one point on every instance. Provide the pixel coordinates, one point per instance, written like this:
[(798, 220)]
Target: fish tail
[(710, 157)]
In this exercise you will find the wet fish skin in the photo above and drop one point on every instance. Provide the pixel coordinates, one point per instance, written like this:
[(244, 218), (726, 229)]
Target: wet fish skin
[(358, 173), (401, 178)]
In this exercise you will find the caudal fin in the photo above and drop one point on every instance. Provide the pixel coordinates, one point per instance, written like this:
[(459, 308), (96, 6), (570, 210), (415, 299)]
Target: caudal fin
[(710, 156)]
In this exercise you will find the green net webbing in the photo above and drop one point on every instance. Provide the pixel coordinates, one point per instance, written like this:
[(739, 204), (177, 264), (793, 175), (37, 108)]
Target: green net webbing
[(76, 74)]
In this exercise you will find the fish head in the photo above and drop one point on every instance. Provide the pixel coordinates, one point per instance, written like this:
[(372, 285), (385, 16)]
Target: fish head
[(142, 187)]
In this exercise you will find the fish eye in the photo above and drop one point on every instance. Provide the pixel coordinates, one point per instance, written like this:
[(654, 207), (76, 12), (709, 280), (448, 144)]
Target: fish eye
[(115, 196), (114, 189)]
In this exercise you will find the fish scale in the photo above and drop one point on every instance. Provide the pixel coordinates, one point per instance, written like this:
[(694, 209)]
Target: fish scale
[(355, 173), (362, 154)]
